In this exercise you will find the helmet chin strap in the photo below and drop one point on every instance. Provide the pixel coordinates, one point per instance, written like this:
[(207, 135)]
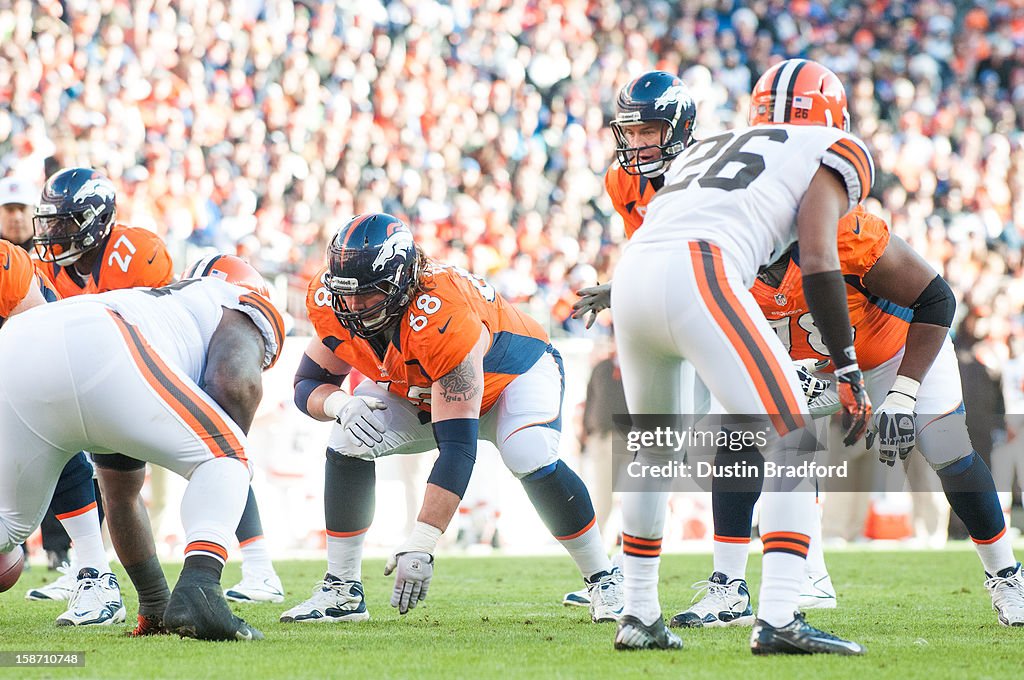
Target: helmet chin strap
[(69, 259), (653, 169)]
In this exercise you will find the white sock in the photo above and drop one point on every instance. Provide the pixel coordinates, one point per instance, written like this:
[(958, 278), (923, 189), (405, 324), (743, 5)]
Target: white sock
[(996, 555), (256, 556), (83, 527), (781, 581), (641, 587), (731, 557), (587, 550), (816, 553), (786, 524), (212, 505), (345, 555), (643, 521)]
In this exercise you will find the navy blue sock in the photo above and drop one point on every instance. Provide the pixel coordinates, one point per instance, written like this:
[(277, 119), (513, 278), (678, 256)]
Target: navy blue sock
[(561, 500), (733, 498), (249, 526), (74, 489), (972, 496), (349, 492)]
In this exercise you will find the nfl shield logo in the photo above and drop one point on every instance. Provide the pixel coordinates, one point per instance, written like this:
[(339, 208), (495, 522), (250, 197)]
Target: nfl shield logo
[(780, 299)]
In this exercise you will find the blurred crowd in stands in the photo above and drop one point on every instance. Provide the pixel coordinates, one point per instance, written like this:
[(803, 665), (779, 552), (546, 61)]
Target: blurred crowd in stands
[(260, 126)]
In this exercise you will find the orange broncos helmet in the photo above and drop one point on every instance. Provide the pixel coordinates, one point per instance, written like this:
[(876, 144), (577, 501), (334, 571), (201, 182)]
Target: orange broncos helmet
[(799, 92), (230, 268)]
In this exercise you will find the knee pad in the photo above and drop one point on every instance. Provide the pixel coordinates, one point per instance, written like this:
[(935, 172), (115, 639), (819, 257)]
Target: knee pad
[(529, 450), (943, 439)]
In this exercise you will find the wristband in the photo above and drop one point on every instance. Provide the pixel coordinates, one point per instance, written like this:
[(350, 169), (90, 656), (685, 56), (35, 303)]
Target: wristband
[(424, 538), (334, 403), (906, 387)]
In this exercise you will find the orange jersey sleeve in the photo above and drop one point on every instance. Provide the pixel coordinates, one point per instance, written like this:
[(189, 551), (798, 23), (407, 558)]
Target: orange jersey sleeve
[(630, 195), (131, 258), (17, 276), (863, 238)]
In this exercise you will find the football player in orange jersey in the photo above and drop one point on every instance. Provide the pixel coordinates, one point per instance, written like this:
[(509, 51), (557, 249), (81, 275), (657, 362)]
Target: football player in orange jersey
[(21, 286), (652, 125), (84, 250), (901, 311), (448, 362)]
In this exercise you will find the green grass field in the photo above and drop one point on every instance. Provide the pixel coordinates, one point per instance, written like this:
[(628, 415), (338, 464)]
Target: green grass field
[(920, 614)]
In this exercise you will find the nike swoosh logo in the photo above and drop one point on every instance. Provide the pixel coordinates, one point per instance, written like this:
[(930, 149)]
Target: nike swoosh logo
[(857, 229), (443, 328), (7, 263), (150, 260), (247, 635)]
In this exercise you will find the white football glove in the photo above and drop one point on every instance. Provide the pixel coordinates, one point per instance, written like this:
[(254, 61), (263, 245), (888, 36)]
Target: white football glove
[(356, 415), (592, 300), (413, 566), (894, 423), (812, 385)]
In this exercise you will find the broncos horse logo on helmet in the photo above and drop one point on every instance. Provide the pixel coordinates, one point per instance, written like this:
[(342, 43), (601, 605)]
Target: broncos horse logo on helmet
[(654, 97), (75, 214), (372, 269)]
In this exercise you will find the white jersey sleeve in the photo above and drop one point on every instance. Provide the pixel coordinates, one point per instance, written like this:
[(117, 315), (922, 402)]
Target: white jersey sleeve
[(741, 189), (850, 158)]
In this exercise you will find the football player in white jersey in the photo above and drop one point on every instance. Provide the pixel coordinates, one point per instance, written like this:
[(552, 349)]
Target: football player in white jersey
[(730, 205), (121, 371)]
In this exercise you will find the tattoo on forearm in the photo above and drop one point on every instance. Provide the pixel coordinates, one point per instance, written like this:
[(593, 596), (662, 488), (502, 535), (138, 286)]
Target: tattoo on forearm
[(461, 384)]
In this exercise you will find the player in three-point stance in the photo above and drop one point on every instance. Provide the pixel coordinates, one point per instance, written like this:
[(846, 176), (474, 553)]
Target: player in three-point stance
[(121, 371), (448, 362)]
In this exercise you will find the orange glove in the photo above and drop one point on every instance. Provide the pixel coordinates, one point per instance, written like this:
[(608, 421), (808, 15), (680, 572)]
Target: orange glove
[(856, 407)]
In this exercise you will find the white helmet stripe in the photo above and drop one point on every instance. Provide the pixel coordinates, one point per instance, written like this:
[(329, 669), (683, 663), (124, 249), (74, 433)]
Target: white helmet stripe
[(779, 96), (199, 269)]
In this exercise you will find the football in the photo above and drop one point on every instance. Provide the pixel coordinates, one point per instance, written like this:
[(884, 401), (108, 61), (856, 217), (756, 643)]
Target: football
[(10, 568)]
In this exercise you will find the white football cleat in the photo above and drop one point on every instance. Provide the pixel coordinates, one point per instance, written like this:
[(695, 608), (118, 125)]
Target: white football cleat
[(60, 589), (606, 597), (260, 587), (1007, 591), (724, 603), (577, 598), (95, 602), (332, 600), (818, 593)]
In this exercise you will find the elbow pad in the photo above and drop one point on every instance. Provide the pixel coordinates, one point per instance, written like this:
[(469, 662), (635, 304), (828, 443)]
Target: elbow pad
[(457, 440), (309, 376), (936, 304)]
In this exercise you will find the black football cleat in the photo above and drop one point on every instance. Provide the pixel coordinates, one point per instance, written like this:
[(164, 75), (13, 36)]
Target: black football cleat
[(799, 637), (147, 626), (633, 634), (197, 609)]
